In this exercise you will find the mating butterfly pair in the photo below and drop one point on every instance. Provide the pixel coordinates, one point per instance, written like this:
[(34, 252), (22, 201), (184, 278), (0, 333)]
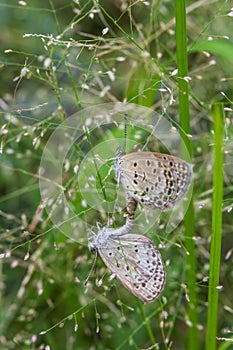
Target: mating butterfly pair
[(157, 181)]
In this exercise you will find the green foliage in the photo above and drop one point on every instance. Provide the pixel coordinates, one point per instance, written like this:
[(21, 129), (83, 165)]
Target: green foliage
[(58, 58)]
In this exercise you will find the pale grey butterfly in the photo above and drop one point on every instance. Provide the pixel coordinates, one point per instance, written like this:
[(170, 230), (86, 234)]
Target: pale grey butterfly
[(132, 258), (155, 180)]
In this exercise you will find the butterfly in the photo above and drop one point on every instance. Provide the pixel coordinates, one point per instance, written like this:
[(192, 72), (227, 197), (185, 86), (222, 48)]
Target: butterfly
[(132, 258), (155, 180)]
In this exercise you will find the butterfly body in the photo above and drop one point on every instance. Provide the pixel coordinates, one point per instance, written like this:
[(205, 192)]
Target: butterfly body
[(134, 260), (153, 179)]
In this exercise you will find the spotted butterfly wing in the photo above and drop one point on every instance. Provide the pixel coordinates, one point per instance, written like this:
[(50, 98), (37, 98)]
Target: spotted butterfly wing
[(154, 179), (134, 260)]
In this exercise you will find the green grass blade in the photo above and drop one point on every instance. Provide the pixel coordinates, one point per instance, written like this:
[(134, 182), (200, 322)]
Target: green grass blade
[(217, 47), (215, 249), (191, 260)]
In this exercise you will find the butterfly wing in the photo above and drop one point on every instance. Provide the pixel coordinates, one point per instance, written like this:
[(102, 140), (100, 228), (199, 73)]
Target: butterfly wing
[(154, 179), (137, 263)]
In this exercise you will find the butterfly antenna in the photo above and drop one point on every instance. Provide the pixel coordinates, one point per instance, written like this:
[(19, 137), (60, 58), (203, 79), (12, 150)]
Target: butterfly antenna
[(125, 131), (92, 268)]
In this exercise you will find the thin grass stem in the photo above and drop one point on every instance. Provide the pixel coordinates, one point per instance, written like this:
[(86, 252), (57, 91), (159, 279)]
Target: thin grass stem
[(216, 238), (191, 260)]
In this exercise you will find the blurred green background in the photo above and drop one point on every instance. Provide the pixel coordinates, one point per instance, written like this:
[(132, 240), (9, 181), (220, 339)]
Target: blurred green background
[(56, 58)]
